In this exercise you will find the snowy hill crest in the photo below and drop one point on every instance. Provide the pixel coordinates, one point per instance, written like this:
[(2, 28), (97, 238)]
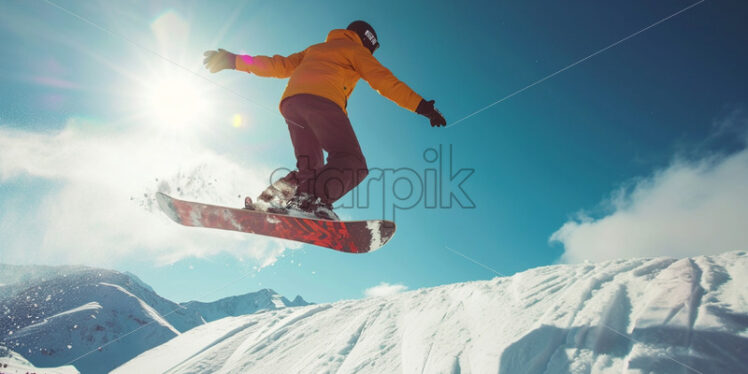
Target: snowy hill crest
[(643, 315)]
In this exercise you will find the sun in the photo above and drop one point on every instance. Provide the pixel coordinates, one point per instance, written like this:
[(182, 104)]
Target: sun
[(175, 101), (172, 95)]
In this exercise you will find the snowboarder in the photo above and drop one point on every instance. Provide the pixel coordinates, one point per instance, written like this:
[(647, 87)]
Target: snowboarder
[(322, 77)]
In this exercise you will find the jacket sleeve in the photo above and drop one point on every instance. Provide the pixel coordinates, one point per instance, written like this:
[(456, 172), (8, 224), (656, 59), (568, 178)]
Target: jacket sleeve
[(383, 81), (264, 66)]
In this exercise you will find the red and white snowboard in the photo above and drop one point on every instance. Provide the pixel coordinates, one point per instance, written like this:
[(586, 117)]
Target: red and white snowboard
[(343, 236)]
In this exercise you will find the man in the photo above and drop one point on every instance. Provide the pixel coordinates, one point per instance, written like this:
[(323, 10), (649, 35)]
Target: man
[(322, 77)]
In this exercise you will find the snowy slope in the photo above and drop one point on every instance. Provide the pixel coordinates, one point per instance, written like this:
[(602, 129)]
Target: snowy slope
[(240, 305), (637, 316), (14, 363)]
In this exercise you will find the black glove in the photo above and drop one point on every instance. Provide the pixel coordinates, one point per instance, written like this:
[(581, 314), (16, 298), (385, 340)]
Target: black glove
[(216, 61), (426, 108)]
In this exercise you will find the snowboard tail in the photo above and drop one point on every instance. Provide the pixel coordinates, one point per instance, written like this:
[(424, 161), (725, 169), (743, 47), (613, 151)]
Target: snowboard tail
[(343, 236)]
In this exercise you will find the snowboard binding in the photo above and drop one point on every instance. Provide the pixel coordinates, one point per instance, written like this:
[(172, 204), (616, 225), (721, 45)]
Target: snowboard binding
[(284, 197), (304, 205)]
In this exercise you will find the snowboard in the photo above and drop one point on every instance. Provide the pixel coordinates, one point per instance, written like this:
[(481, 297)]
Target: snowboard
[(343, 236)]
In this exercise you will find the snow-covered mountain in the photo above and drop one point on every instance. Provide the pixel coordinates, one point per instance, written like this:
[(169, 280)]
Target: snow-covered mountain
[(657, 315), (240, 305), (54, 315), (57, 320)]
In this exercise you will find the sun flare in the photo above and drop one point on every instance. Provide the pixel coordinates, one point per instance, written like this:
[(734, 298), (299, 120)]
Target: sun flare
[(174, 102), (237, 121)]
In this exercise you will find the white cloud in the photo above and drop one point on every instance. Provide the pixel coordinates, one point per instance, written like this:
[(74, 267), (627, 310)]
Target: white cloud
[(100, 207), (384, 289), (689, 208)]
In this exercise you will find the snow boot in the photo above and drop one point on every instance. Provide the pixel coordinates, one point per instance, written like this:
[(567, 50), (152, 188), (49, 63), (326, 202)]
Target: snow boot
[(275, 197), (311, 206)]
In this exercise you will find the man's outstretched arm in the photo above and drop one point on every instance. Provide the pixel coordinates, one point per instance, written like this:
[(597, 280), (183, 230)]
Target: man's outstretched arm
[(276, 66)]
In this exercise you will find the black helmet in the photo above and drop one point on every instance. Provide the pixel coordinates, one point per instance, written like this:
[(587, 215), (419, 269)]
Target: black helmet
[(366, 33)]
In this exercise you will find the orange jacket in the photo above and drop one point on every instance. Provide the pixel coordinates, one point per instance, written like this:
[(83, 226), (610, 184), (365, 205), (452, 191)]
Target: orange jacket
[(331, 70)]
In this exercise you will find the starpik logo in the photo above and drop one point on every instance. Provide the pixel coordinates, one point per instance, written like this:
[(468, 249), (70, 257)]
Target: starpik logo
[(437, 184)]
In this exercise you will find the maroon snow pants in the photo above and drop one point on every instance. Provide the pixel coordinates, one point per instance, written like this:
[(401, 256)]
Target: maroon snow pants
[(318, 124)]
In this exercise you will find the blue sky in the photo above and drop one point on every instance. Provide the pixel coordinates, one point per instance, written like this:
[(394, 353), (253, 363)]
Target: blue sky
[(89, 129)]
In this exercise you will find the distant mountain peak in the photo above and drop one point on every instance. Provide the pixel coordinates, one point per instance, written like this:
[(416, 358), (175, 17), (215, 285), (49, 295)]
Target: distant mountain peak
[(232, 306), (299, 301)]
